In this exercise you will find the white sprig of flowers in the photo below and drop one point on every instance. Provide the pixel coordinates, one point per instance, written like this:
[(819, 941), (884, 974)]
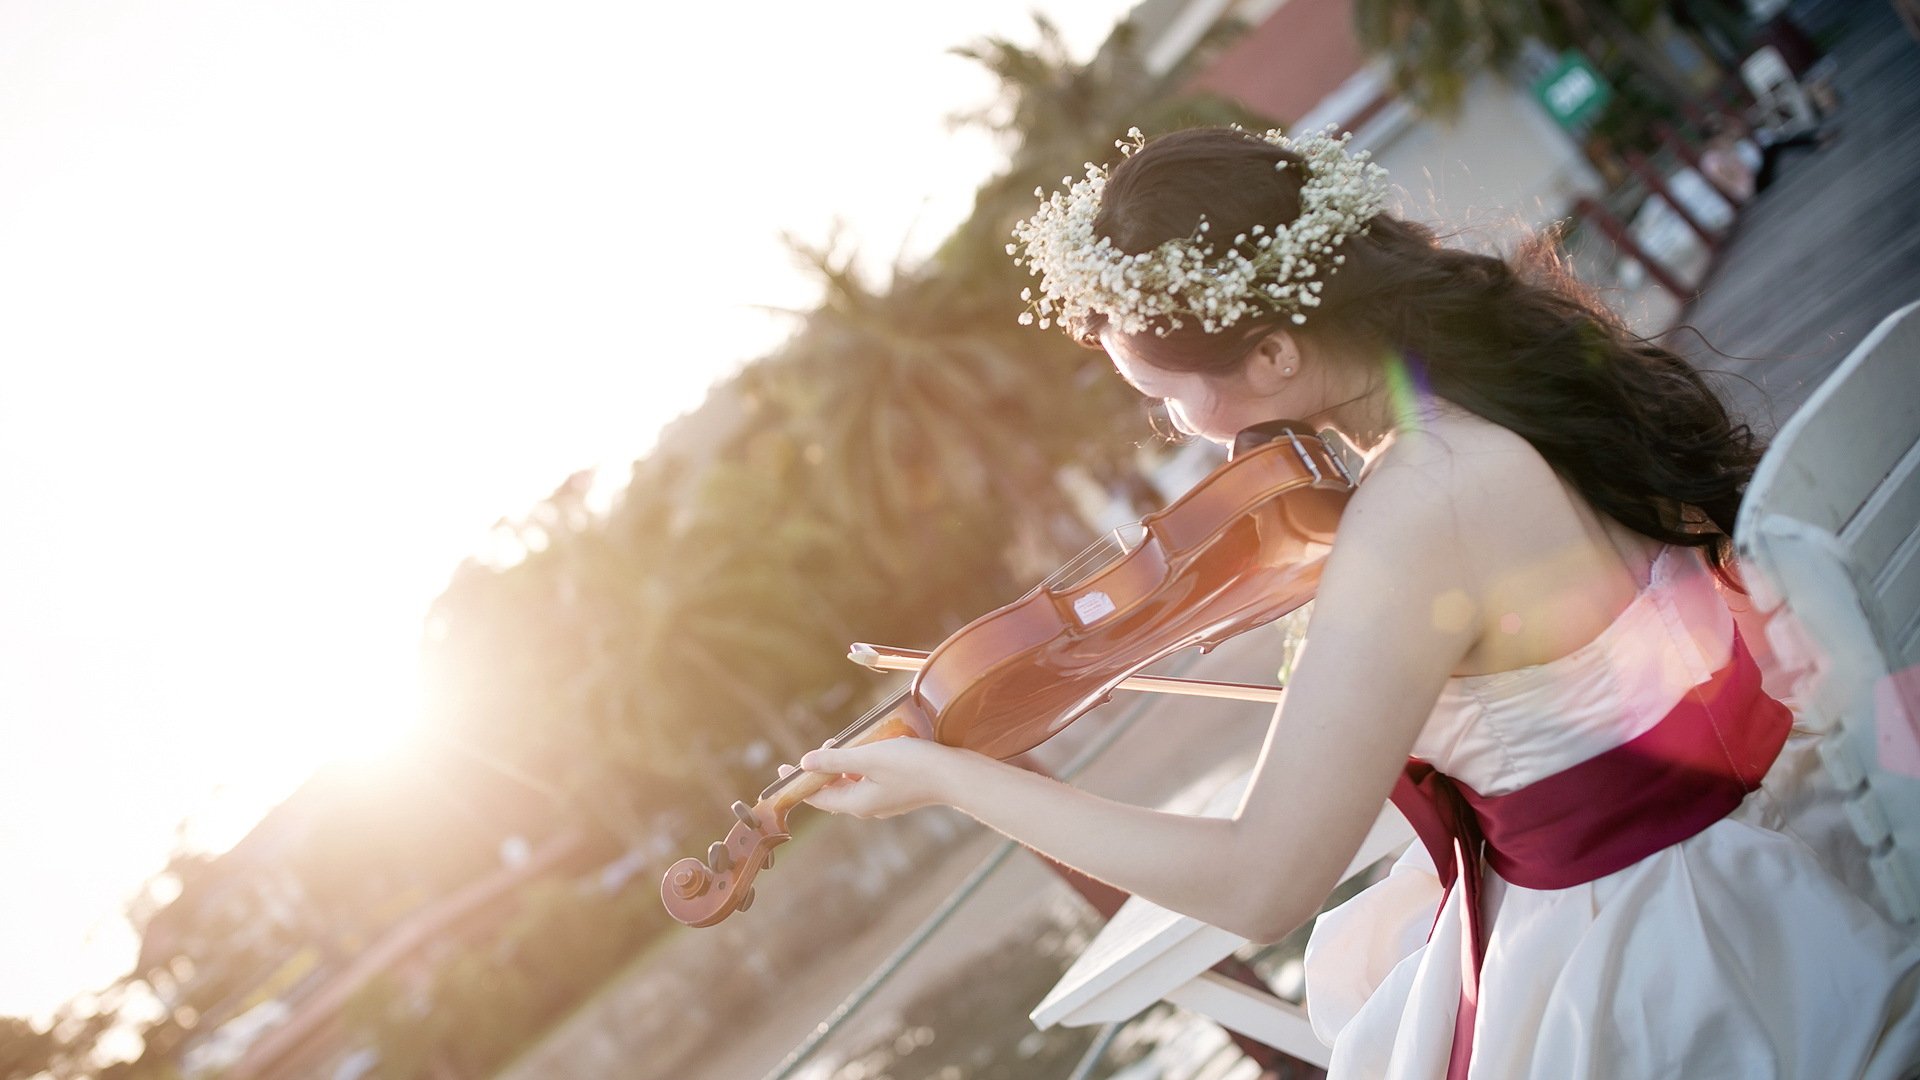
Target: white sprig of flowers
[(1278, 268)]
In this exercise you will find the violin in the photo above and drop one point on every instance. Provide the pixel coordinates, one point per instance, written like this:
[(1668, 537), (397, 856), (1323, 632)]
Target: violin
[(1242, 548)]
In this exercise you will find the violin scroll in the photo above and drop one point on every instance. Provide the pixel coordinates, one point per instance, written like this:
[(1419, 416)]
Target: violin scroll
[(702, 892)]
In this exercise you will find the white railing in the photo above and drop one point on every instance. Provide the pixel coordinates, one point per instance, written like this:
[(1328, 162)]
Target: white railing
[(1147, 954)]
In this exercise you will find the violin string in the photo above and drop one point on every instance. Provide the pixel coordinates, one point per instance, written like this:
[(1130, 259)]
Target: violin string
[(1104, 550)]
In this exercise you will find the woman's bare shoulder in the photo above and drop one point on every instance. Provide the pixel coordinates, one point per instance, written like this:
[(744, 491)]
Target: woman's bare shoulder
[(1530, 551), (1475, 467), (1417, 501), (1454, 445)]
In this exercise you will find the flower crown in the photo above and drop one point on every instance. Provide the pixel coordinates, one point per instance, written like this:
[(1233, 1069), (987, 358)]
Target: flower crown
[(1279, 268)]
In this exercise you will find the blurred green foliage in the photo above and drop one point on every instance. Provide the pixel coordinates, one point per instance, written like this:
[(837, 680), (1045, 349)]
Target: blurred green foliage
[(24, 1049), (484, 1001), (634, 663)]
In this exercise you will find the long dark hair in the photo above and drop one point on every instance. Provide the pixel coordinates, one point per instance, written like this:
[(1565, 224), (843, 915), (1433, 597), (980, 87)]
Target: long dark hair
[(1631, 425)]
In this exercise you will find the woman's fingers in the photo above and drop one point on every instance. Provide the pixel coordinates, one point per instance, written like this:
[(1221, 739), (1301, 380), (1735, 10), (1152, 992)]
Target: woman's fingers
[(849, 763), (824, 760), (877, 779), (840, 797)]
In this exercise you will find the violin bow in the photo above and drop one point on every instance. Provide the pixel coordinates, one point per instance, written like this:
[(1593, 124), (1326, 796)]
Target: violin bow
[(892, 658)]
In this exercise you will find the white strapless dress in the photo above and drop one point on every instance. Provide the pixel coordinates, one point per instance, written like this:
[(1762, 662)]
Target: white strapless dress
[(1752, 951)]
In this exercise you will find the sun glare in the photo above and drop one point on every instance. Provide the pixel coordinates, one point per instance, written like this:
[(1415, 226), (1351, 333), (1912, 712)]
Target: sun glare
[(300, 299), (385, 726)]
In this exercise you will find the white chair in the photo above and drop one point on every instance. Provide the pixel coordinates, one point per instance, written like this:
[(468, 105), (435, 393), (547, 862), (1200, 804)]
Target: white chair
[(1146, 954), (1829, 536), (1781, 106)]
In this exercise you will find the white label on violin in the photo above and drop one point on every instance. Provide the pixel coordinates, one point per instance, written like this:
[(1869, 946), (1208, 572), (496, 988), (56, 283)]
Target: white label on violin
[(1093, 605)]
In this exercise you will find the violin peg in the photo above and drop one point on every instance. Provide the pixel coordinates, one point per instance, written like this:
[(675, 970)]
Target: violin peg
[(746, 899), (690, 881), (768, 864), (718, 857), (745, 813)]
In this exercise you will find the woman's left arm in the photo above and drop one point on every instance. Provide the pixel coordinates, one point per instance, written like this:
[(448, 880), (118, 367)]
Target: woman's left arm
[(1394, 615)]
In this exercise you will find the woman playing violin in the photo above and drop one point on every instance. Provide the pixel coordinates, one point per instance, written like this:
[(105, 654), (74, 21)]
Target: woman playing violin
[(1528, 635)]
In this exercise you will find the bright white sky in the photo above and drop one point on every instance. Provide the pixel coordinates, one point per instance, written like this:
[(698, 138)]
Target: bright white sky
[(296, 299)]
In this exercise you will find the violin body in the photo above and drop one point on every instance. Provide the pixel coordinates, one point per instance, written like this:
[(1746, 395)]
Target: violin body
[(1241, 549)]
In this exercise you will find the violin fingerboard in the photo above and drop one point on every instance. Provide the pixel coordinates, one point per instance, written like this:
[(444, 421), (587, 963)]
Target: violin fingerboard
[(853, 731)]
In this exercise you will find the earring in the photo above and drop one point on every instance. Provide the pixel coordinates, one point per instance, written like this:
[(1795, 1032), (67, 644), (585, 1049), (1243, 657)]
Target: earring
[(1286, 371)]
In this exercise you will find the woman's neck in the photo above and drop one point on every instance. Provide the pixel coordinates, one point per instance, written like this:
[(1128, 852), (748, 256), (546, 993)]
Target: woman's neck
[(1363, 415)]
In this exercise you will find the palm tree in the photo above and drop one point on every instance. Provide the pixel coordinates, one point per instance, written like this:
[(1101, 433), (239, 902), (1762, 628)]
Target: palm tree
[(733, 623), (545, 668), (896, 451), (910, 453), (1054, 114)]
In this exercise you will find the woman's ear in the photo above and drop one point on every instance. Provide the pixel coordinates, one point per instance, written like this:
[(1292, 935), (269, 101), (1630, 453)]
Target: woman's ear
[(1274, 362)]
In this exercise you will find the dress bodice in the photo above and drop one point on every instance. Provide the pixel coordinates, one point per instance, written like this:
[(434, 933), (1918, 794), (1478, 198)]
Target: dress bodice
[(1501, 731), (1750, 948)]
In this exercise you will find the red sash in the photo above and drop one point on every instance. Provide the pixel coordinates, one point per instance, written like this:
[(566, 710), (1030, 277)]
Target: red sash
[(1605, 814)]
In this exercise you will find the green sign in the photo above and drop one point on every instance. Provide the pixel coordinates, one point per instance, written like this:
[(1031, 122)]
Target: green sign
[(1572, 92)]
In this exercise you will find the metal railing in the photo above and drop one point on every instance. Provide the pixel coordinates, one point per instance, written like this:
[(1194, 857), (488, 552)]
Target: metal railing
[(927, 929)]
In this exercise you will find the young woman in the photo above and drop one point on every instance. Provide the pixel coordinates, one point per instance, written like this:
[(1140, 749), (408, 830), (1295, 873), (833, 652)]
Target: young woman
[(1523, 635)]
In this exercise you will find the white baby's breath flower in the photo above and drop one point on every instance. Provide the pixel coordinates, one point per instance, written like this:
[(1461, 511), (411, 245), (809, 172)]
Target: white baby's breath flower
[(1283, 270)]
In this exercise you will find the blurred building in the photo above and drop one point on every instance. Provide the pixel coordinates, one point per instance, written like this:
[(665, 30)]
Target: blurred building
[(1503, 168), (1503, 165)]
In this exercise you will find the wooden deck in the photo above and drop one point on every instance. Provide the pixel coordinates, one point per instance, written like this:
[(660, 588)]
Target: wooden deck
[(1832, 246)]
